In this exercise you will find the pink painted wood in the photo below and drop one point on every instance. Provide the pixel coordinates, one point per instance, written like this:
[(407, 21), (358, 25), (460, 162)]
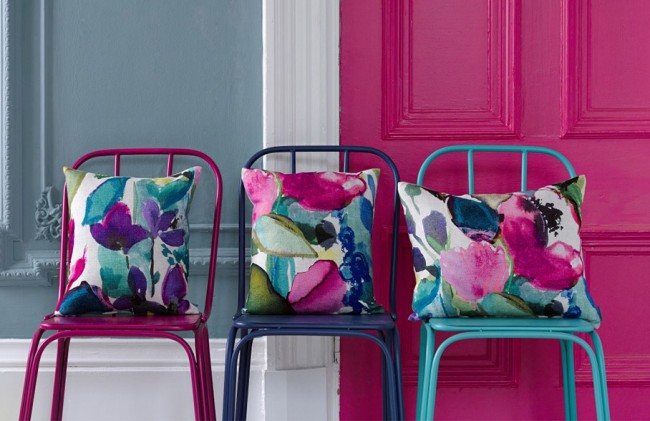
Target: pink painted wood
[(568, 74), (63, 329)]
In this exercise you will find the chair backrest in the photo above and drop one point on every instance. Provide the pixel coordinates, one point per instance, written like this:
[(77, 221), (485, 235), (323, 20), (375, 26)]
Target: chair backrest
[(343, 153), (170, 153), (470, 149)]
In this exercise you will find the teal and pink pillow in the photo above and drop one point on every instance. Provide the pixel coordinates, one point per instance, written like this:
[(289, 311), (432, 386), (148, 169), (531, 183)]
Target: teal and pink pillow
[(498, 255), (128, 244), (311, 236)]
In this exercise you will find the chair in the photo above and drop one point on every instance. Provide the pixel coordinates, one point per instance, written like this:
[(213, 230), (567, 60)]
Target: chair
[(565, 330), (65, 328), (252, 326)]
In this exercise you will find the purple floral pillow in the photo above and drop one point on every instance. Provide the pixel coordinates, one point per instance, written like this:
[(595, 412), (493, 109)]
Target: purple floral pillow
[(128, 244), (311, 242), (498, 255)]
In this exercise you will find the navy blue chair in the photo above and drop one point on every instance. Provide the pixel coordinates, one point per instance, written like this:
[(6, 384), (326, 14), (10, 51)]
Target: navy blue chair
[(380, 329)]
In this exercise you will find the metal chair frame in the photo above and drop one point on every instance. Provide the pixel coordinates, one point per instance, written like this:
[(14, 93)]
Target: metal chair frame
[(168, 327), (564, 330), (383, 326)]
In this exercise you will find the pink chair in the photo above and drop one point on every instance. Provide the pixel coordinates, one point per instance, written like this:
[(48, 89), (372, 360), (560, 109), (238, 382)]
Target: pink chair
[(64, 328)]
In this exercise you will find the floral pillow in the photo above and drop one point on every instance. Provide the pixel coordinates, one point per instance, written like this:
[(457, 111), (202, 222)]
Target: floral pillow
[(128, 244), (501, 255), (311, 242)]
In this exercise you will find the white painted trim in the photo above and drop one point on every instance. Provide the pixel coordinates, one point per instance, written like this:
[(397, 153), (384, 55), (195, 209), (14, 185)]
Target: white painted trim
[(301, 107), (119, 354), (301, 74), (131, 373)]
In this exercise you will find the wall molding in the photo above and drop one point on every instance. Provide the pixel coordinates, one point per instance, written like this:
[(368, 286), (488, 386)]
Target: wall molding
[(108, 354), (41, 267), (629, 370), (36, 266), (496, 366), (301, 107), (579, 118), (7, 127), (400, 120), (136, 371), (301, 75), (6, 121), (622, 369), (629, 240)]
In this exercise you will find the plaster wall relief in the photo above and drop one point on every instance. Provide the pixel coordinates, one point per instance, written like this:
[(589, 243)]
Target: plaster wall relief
[(30, 200), (20, 262), (48, 216)]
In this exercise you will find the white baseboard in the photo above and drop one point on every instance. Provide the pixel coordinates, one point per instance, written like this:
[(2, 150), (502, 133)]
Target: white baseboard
[(148, 379), (121, 379)]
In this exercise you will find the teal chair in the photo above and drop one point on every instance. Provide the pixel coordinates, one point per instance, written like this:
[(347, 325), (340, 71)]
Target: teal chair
[(563, 329)]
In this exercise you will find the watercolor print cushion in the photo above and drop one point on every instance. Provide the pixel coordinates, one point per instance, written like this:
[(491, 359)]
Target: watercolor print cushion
[(502, 255), (311, 242), (128, 244)]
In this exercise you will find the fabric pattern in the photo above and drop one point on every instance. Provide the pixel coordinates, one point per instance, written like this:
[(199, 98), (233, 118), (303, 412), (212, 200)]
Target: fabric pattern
[(128, 244), (311, 239), (498, 255)]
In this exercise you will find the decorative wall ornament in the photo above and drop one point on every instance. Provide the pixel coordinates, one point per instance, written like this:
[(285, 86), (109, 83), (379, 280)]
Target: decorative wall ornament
[(48, 216)]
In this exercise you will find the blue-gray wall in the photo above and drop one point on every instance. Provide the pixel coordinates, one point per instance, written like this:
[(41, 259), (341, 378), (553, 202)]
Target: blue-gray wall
[(124, 73)]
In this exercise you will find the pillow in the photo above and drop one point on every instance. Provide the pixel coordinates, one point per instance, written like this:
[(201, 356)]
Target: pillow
[(311, 240), (128, 244), (498, 255)]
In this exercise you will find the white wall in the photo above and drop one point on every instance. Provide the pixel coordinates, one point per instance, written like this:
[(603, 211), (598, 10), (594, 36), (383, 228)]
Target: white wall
[(125, 379)]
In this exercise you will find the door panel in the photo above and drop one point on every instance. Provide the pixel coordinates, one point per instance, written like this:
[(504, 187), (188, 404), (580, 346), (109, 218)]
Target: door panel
[(418, 75)]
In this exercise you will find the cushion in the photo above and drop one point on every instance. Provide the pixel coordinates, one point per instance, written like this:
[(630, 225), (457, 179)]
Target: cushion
[(311, 235), (128, 244), (499, 255)]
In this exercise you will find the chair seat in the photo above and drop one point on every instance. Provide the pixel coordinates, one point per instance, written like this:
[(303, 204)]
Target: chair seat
[(315, 321), (156, 323), (519, 324)]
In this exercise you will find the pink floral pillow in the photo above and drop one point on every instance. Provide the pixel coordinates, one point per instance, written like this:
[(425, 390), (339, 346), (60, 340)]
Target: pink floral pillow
[(311, 242), (499, 255)]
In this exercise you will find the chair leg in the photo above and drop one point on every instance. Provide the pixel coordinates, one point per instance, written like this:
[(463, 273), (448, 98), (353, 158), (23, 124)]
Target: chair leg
[(244, 379), (568, 376), (392, 341), (600, 357), (427, 348), (392, 393), (60, 373), (385, 410), (230, 373), (397, 362), (195, 374), (205, 372), (431, 374), (199, 394), (597, 376), (31, 374), (421, 362)]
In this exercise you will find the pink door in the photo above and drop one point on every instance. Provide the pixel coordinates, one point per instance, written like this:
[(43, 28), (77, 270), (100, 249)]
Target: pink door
[(417, 75)]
